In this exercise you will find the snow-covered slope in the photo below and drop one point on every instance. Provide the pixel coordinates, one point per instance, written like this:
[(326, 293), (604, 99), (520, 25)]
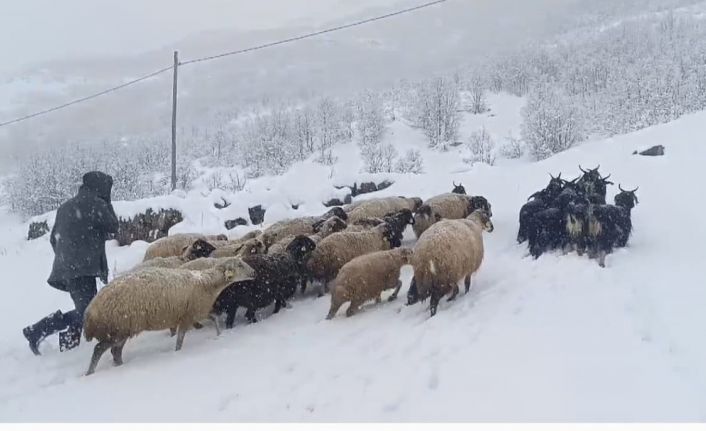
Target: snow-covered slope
[(556, 339)]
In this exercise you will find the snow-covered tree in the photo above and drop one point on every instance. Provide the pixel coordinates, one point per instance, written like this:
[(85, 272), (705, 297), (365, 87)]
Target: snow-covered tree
[(550, 123), (435, 110), (410, 163)]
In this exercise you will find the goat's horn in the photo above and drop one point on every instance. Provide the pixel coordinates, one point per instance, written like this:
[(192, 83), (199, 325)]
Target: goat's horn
[(582, 169), (620, 187)]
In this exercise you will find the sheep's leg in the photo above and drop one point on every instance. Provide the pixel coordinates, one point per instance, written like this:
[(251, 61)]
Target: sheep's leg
[(279, 303), (230, 316), (172, 332), (454, 292), (335, 305), (98, 351), (117, 352), (434, 302), (213, 318), (353, 308), (250, 315), (181, 332), (467, 283), (397, 291), (601, 258)]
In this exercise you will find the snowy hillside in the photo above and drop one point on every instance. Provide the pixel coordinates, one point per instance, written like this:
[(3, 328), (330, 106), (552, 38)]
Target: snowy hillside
[(556, 339)]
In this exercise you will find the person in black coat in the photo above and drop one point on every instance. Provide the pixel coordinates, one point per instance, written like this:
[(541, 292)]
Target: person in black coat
[(82, 225)]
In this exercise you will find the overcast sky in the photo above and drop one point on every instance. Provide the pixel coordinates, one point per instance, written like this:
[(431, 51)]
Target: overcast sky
[(34, 31)]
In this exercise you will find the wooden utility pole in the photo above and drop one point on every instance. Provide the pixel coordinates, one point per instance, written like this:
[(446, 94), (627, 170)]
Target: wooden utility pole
[(174, 118)]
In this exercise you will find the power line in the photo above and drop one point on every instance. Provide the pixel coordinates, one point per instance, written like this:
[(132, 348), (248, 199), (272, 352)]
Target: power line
[(225, 54), (86, 98), (317, 33)]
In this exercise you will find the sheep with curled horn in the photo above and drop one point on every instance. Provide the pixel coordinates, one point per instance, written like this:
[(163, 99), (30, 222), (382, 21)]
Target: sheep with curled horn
[(458, 188)]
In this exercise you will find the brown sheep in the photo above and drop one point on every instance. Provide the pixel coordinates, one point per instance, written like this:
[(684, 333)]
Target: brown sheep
[(174, 245), (448, 252), (380, 207), (447, 206), (154, 299), (241, 249), (198, 249), (299, 226), (366, 277), (323, 229), (340, 248)]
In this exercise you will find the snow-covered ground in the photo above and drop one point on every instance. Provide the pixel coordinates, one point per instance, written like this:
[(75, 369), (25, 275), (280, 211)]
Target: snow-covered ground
[(556, 339)]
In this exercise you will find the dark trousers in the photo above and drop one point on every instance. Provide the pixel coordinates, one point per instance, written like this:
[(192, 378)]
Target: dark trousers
[(82, 291)]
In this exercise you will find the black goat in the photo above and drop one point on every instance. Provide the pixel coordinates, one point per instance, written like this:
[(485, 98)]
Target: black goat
[(626, 200), (479, 203), (458, 189), (276, 280), (594, 185), (576, 227), (538, 201), (398, 222), (611, 225), (547, 231)]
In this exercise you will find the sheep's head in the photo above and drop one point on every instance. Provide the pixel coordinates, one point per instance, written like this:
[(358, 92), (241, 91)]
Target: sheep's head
[(221, 237), (331, 225), (479, 203), (402, 217), (337, 212), (268, 239), (252, 247), (626, 198), (300, 247), (483, 219), (424, 211), (458, 189), (406, 255), (199, 248), (388, 234), (235, 270), (416, 203)]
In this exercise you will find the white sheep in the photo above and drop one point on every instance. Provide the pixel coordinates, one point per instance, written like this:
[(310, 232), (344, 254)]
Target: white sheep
[(154, 299)]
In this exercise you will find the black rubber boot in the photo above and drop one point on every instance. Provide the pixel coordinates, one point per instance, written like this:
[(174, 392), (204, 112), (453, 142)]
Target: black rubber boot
[(69, 339), (42, 329)]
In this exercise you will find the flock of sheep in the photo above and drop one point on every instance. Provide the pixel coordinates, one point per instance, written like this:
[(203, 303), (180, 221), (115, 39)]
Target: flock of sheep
[(354, 252), (574, 215)]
